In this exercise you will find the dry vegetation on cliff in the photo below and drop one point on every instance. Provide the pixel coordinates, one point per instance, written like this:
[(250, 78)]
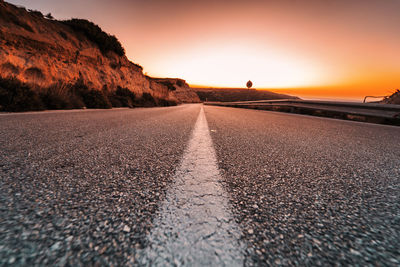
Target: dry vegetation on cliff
[(106, 43), (18, 96)]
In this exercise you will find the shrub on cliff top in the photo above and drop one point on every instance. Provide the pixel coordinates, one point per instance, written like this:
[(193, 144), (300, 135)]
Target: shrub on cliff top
[(180, 83), (95, 34), (36, 13)]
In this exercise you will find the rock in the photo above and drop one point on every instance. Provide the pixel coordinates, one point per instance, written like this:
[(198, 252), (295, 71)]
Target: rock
[(127, 229), (11, 260), (355, 252), (102, 250), (56, 246)]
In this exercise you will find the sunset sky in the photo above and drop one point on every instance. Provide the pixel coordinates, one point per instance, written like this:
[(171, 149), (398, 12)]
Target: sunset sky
[(315, 48)]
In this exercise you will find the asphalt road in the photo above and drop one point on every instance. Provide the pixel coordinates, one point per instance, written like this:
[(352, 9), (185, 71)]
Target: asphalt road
[(81, 187), (311, 191), (84, 187)]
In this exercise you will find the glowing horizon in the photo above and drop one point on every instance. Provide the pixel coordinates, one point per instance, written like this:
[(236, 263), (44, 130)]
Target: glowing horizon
[(341, 48)]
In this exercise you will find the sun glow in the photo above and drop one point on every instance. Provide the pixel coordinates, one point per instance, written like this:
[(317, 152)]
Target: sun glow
[(316, 48), (231, 65)]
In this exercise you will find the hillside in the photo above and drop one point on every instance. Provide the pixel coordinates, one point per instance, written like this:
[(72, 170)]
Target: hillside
[(393, 99), (230, 95), (180, 89), (54, 59)]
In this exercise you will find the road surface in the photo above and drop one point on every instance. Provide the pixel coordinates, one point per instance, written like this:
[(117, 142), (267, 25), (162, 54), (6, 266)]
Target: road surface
[(193, 185)]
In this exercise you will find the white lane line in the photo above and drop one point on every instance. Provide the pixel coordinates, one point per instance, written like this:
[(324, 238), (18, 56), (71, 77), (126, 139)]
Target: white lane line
[(194, 226)]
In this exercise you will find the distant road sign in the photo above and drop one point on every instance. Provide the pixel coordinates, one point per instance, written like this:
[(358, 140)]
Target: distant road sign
[(249, 84)]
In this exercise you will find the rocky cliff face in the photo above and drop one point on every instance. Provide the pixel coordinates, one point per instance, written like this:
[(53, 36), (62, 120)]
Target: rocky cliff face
[(44, 52), (180, 89)]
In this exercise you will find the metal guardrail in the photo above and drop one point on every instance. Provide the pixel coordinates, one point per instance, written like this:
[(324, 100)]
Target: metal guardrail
[(370, 96), (318, 102), (368, 112)]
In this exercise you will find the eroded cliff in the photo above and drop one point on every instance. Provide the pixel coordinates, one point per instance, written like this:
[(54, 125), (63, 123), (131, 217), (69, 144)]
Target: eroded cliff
[(48, 53)]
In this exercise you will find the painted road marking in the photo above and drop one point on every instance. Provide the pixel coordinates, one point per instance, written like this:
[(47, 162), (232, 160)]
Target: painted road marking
[(194, 226)]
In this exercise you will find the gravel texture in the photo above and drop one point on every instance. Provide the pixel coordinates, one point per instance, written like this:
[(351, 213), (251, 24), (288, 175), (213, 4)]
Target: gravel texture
[(80, 187), (311, 191)]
